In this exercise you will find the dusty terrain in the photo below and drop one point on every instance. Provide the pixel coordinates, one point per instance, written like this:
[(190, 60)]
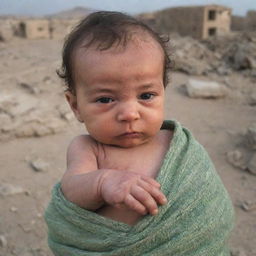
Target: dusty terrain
[(36, 127)]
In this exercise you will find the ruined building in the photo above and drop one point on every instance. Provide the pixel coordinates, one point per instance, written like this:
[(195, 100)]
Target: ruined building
[(33, 29), (199, 22)]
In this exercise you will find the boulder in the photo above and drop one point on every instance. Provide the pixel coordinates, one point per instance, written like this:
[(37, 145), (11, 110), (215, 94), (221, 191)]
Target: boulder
[(250, 137), (205, 89), (252, 164)]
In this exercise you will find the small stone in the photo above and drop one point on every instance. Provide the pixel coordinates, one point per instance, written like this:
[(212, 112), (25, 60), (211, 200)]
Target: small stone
[(251, 166), (13, 209), (251, 136), (39, 165), (248, 206), (31, 89), (252, 100), (9, 189), (25, 229), (39, 215), (223, 71), (67, 116), (3, 241), (40, 130), (236, 159)]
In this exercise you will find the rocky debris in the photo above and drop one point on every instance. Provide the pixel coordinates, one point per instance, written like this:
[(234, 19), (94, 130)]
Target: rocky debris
[(65, 112), (252, 100), (236, 50), (192, 57), (245, 157), (248, 206), (251, 166), (244, 161), (13, 209), (30, 88), (39, 165), (24, 115), (3, 241), (238, 252), (17, 104), (250, 137), (237, 159), (205, 89), (9, 189)]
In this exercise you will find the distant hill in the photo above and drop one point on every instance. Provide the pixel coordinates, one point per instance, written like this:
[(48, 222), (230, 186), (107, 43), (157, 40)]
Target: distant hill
[(76, 12)]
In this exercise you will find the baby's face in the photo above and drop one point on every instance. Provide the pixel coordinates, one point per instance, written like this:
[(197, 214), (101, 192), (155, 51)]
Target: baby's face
[(120, 93)]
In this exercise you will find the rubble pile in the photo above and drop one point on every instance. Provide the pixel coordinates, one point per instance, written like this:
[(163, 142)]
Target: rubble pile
[(237, 51), (244, 156), (24, 115), (221, 55), (192, 57)]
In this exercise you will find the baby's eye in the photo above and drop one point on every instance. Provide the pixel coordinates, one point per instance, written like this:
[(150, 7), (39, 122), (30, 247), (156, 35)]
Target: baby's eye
[(105, 100), (146, 96)]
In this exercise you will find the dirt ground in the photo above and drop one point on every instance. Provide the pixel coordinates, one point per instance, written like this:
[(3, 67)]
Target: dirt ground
[(217, 124)]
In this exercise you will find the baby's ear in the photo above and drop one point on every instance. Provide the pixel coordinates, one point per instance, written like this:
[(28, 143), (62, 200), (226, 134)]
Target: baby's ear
[(72, 101)]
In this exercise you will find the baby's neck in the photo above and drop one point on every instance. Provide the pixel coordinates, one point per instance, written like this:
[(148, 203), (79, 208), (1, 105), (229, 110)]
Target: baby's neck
[(144, 158)]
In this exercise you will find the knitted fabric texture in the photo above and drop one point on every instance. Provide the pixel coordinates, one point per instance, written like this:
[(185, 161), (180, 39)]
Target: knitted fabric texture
[(196, 221)]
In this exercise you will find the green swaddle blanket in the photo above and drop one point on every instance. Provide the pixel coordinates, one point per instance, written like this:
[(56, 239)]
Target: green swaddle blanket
[(196, 221)]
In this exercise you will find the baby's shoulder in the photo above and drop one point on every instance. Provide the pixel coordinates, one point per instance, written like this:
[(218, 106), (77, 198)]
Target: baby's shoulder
[(82, 143)]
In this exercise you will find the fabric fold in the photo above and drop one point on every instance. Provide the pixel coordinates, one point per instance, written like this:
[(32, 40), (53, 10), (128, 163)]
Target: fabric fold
[(196, 221)]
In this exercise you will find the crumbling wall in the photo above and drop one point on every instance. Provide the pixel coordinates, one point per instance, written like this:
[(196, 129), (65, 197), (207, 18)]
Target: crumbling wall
[(250, 21), (59, 28), (238, 23), (187, 21), (7, 28)]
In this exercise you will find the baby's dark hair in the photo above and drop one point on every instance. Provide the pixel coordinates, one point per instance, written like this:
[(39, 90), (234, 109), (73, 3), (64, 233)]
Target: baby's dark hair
[(103, 30)]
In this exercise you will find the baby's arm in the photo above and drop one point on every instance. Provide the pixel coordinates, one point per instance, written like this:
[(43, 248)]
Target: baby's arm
[(90, 187)]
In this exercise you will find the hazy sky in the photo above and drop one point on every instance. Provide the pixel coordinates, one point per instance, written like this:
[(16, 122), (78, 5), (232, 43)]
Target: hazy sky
[(43, 7)]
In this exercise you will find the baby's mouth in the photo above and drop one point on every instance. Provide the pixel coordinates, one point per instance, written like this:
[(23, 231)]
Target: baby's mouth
[(131, 135)]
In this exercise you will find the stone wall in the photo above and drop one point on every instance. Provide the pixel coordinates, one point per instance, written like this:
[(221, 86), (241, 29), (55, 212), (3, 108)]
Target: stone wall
[(184, 20), (238, 23), (59, 28), (251, 21)]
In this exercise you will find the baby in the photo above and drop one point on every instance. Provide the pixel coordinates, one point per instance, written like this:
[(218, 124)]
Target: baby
[(115, 68), (117, 91)]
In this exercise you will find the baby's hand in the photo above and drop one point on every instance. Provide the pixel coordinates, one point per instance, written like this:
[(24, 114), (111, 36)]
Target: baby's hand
[(138, 192)]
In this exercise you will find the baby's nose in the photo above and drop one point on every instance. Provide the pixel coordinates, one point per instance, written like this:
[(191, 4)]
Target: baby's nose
[(128, 112)]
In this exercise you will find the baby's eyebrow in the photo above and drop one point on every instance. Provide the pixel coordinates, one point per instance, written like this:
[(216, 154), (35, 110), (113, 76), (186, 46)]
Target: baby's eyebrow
[(147, 86), (101, 90)]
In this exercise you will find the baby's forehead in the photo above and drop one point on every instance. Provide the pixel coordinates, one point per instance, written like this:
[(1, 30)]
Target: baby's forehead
[(137, 40)]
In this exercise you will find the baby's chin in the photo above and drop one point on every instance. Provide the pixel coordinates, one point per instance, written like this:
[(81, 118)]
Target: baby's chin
[(127, 144)]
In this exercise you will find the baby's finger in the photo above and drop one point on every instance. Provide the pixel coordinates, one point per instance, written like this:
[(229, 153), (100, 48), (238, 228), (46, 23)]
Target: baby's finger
[(134, 204), (151, 181), (145, 199), (156, 193)]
